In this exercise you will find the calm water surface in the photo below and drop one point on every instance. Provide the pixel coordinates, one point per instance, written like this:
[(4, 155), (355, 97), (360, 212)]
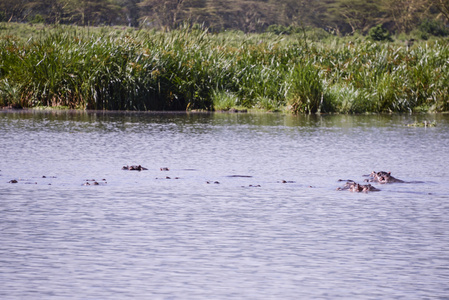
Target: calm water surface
[(198, 231)]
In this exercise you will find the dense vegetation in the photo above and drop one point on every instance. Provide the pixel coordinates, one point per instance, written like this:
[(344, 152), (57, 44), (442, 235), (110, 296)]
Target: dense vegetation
[(337, 16), (192, 68)]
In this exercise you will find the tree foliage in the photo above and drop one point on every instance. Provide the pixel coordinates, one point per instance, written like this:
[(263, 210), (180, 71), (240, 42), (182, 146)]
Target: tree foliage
[(337, 16)]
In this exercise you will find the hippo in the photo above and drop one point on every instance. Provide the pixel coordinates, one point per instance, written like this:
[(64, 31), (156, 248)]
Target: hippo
[(134, 168), (353, 186), (382, 177)]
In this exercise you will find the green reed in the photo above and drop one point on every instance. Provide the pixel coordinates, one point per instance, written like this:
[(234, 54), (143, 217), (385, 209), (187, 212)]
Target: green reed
[(116, 69)]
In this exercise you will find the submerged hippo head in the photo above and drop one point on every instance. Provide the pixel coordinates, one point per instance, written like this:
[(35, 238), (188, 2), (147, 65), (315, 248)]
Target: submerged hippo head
[(358, 188), (134, 168), (383, 177)]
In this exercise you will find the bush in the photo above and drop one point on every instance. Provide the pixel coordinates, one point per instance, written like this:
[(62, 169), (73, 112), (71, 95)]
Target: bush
[(379, 33), (37, 19), (433, 27)]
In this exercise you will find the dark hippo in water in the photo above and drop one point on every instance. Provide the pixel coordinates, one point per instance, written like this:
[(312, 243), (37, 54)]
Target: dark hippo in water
[(357, 188), (382, 177), (134, 168)]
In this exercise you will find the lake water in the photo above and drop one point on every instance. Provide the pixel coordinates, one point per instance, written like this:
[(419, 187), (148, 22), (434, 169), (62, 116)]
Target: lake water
[(248, 209)]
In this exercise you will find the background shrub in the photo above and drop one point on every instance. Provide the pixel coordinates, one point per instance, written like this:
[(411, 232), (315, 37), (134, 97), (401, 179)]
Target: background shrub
[(379, 33)]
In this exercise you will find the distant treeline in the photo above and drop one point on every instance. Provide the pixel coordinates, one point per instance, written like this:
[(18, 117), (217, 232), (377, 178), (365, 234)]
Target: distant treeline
[(340, 17)]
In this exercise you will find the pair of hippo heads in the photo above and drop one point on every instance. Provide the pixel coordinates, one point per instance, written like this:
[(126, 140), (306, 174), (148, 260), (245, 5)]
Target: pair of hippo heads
[(134, 168), (382, 177), (353, 186)]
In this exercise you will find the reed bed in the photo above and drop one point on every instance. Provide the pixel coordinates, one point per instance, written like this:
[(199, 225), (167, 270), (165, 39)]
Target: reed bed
[(187, 69)]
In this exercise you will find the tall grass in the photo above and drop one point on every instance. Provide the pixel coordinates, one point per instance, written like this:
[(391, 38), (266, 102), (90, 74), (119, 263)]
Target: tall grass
[(306, 90), (116, 69)]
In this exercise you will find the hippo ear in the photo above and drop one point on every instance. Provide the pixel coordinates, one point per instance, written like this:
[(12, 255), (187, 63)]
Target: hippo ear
[(389, 173)]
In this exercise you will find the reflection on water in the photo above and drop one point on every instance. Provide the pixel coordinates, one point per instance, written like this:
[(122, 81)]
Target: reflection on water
[(196, 232)]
